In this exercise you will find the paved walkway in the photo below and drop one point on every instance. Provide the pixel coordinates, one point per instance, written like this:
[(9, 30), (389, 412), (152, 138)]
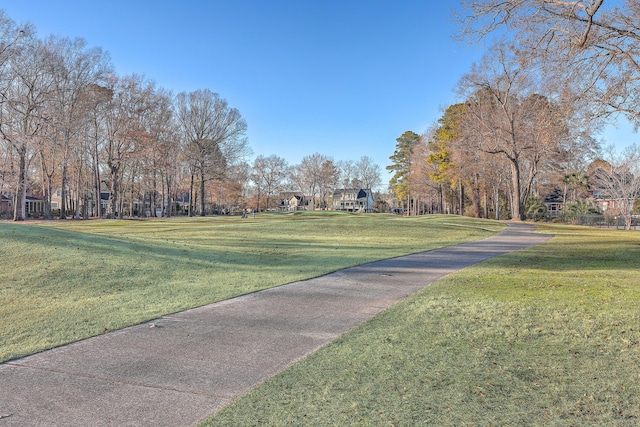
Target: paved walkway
[(177, 370)]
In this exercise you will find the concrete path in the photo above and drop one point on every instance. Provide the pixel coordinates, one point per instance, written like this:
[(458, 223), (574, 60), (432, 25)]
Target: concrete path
[(177, 370)]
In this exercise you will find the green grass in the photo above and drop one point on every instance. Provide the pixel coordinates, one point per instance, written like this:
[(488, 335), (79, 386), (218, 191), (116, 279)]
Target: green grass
[(62, 281), (545, 336)]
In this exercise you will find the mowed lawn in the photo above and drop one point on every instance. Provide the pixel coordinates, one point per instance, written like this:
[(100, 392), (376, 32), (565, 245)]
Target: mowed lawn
[(63, 281), (547, 336)]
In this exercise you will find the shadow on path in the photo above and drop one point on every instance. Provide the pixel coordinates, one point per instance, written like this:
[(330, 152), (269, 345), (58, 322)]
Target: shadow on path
[(181, 368)]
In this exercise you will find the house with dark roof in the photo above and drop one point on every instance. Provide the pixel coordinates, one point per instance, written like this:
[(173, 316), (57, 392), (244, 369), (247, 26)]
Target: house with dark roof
[(293, 202), (34, 206), (352, 200), (6, 206), (554, 202)]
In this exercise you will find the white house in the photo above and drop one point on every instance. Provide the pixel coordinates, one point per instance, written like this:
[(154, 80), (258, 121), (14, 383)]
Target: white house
[(353, 200)]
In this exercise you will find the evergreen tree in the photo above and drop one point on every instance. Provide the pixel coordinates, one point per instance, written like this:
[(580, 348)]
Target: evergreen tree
[(401, 158)]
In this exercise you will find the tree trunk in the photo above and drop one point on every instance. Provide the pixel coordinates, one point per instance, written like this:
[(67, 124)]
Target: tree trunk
[(63, 194), (46, 186), (516, 202), (19, 208), (113, 211), (475, 195), (202, 201), (460, 198), (169, 201), (96, 177), (191, 197), (78, 186), (152, 195)]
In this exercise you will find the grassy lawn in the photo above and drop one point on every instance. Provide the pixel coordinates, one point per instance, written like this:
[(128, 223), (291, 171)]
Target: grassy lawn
[(545, 336), (62, 281)]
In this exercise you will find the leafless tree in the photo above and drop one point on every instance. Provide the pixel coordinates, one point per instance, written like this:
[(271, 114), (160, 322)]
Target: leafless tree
[(618, 181), (13, 41), (347, 173), (327, 182), (506, 116), (98, 108), (589, 48), (165, 133), (213, 133), (130, 101), (316, 175), (75, 69), (22, 114), (156, 151), (269, 175), (368, 173)]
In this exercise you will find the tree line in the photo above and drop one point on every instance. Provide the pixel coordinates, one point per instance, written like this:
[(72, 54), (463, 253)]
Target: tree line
[(70, 126), (554, 75)]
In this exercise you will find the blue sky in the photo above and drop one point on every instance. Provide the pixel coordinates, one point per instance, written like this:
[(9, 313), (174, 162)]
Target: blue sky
[(343, 78)]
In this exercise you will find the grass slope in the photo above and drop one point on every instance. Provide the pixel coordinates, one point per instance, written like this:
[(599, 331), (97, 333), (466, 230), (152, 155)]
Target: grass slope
[(64, 281), (545, 336)]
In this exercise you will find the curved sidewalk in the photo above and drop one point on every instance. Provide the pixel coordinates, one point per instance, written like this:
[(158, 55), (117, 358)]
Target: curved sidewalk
[(179, 369)]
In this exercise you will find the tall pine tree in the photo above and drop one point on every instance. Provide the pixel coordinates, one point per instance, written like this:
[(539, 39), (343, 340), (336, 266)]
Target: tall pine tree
[(401, 159)]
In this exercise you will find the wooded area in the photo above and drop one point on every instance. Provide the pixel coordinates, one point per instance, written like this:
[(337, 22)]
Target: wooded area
[(84, 142), (520, 143), (523, 137)]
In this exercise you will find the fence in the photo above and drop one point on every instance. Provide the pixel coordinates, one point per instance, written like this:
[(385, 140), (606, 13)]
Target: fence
[(601, 221)]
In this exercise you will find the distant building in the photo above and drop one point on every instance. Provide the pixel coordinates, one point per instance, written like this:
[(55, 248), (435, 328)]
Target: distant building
[(34, 206), (352, 200), (554, 202), (6, 205), (293, 202)]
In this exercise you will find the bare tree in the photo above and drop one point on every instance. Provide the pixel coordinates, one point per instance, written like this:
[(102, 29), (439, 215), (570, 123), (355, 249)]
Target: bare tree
[(315, 176), (269, 174), (165, 133), (75, 69), (99, 101), (507, 117), (347, 172), (327, 182), (589, 48), (368, 173), (131, 97), (618, 181), (13, 41), (22, 116), (156, 150), (213, 132)]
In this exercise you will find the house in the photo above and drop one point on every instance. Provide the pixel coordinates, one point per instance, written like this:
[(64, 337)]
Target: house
[(6, 204), (298, 202), (609, 205), (605, 194), (90, 200), (293, 202), (554, 202), (34, 206), (352, 200)]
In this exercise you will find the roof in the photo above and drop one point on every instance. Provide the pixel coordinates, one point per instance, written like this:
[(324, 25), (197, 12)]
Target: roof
[(360, 192)]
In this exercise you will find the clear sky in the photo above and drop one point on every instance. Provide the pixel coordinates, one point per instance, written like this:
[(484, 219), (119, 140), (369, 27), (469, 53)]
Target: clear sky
[(343, 78)]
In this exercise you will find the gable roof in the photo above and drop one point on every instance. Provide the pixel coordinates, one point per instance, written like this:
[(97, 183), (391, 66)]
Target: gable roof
[(360, 193)]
